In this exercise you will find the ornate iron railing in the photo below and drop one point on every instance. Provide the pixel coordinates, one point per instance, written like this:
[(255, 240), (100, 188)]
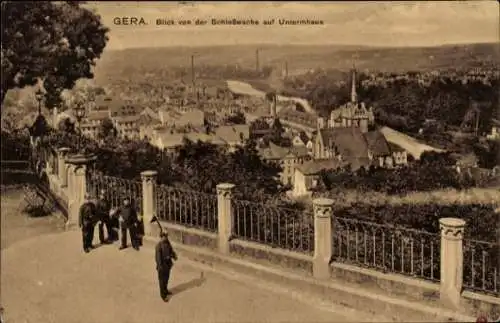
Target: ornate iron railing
[(116, 189), (274, 226), (387, 248), (54, 161), (188, 208), (481, 266), (15, 148)]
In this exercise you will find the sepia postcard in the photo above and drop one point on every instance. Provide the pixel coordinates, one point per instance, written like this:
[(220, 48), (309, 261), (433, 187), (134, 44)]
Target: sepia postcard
[(267, 161)]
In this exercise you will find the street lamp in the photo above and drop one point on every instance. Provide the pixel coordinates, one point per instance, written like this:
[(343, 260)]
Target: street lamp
[(39, 97), (80, 113)]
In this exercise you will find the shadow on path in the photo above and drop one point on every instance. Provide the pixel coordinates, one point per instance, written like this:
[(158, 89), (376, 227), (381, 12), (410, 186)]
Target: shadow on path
[(193, 283)]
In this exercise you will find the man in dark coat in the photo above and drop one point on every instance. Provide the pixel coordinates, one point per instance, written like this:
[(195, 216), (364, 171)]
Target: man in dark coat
[(128, 222), (103, 214), (164, 253), (86, 223)]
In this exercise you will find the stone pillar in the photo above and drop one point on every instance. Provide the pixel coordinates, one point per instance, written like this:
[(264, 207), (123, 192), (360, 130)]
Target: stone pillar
[(61, 166), (149, 201), (49, 163), (77, 186), (452, 231), (224, 213), (323, 250), (69, 176)]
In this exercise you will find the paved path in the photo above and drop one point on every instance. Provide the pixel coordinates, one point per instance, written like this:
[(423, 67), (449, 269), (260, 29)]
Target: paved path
[(17, 226), (49, 279)]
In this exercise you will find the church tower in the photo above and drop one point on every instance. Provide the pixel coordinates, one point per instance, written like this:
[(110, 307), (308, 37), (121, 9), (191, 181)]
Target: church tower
[(354, 94)]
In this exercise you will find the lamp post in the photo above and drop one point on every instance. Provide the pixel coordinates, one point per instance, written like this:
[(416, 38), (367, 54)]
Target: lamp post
[(80, 113), (39, 97)]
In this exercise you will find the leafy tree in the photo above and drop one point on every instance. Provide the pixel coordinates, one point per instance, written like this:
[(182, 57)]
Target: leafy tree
[(202, 166), (40, 127), (270, 96), (488, 153), (432, 171), (259, 124), (66, 126), (107, 129), (237, 118), (259, 177), (276, 135), (57, 42)]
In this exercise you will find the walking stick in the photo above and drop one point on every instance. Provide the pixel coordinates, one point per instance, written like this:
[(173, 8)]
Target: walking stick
[(155, 219)]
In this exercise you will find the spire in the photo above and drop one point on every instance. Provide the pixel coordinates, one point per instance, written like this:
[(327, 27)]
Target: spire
[(354, 95)]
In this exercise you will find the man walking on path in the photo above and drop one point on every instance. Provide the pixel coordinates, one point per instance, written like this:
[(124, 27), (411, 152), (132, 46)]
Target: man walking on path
[(103, 214), (128, 222), (86, 223), (164, 253)]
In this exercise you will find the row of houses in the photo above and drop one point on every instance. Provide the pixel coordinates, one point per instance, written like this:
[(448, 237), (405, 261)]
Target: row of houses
[(164, 127), (229, 136), (343, 140)]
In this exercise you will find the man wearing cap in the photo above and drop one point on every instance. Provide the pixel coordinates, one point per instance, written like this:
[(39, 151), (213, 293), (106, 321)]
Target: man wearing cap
[(103, 215), (164, 253), (86, 223), (128, 222)]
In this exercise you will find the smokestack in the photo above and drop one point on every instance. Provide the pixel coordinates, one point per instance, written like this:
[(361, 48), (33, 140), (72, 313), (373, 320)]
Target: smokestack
[(286, 69), (192, 68), (257, 60)]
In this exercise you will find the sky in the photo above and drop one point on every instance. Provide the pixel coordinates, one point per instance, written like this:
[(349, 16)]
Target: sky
[(378, 23)]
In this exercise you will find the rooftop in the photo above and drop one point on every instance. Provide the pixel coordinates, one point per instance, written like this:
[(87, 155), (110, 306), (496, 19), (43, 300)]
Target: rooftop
[(348, 141), (127, 118), (314, 167), (275, 152), (170, 140), (377, 143), (235, 133), (97, 115)]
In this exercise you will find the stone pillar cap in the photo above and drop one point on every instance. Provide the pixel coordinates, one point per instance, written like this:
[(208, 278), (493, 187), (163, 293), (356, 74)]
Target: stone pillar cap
[(80, 159), (63, 149), (149, 173), (225, 186), (323, 202), (452, 222)]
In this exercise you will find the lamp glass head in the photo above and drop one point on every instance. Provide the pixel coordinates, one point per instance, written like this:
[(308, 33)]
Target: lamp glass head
[(80, 112), (39, 95)]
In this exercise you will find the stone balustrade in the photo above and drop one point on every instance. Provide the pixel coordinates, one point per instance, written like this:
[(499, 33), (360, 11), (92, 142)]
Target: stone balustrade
[(71, 174)]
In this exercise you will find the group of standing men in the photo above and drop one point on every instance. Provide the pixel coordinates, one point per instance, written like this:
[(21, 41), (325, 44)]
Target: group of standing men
[(121, 220)]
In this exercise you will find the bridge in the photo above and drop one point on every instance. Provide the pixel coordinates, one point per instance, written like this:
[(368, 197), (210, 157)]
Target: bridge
[(315, 260)]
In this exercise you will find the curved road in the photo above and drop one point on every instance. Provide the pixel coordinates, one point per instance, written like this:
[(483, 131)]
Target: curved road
[(244, 88)]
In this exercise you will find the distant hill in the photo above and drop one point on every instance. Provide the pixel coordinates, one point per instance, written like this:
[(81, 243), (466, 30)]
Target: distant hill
[(300, 57)]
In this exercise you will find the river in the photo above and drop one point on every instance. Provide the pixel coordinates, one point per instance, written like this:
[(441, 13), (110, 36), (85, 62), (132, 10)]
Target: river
[(244, 88)]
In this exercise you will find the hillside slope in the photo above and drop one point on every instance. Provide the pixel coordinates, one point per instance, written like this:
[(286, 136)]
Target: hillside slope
[(300, 57)]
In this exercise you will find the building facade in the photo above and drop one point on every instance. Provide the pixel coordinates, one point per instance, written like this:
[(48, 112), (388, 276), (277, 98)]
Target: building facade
[(289, 158)]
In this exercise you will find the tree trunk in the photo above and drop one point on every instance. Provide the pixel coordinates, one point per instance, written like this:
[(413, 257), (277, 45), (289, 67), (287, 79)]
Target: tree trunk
[(497, 211), (4, 92)]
